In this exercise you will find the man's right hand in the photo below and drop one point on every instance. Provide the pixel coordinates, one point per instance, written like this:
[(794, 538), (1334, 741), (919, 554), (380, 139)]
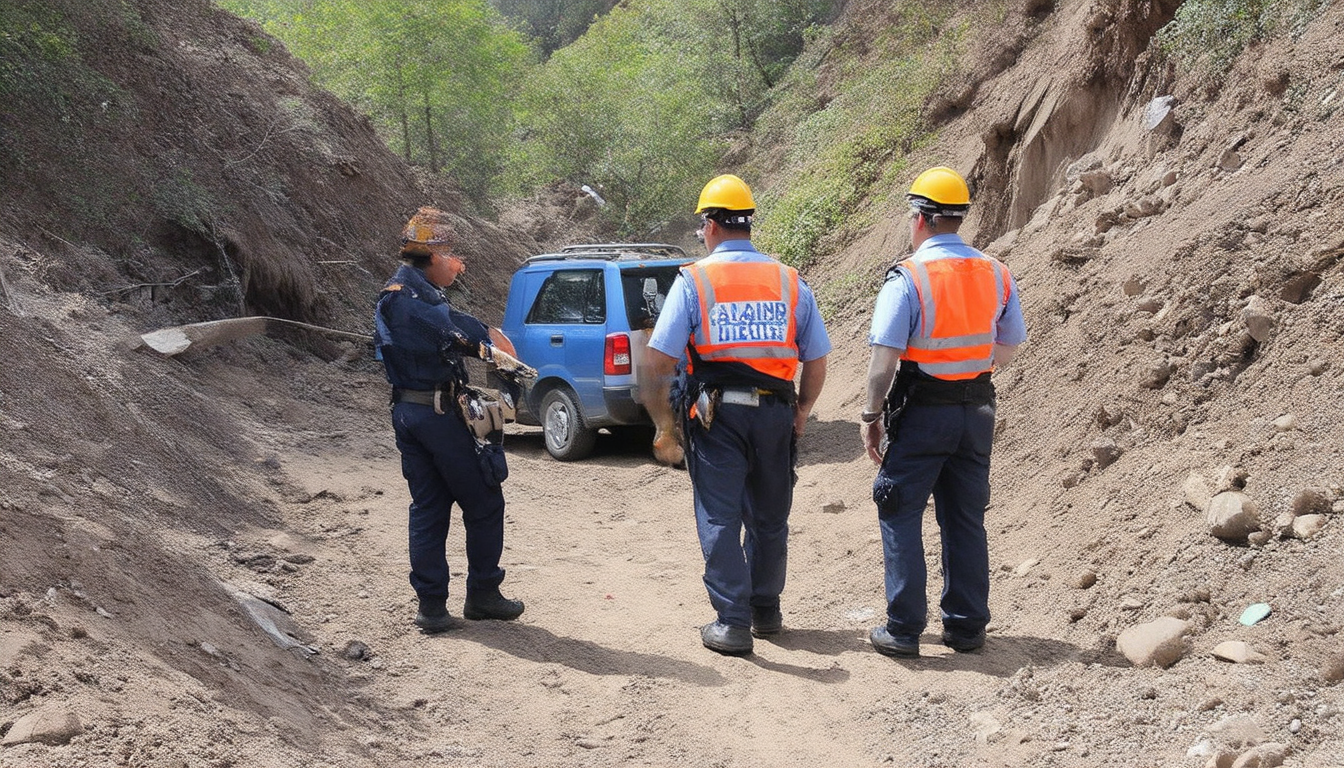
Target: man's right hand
[(667, 447)]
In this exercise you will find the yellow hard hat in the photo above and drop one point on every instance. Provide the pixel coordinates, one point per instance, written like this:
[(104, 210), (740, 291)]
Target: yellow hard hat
[(940, 191), (428, 227), (726, 192)]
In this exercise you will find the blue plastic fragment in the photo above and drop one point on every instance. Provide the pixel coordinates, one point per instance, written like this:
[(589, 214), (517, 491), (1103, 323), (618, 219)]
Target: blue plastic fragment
[(1254, 613)]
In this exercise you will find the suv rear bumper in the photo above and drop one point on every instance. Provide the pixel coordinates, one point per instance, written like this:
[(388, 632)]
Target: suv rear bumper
[(621, 408)]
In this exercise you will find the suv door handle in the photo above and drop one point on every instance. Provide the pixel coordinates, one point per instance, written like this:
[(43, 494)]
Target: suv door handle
[(557, 339)]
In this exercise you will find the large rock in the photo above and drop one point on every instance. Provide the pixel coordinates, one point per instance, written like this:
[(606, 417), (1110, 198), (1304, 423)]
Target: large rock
[(1307, 526), (52, 726), (1269, 755), (1232, 516), (1159, 643), (1259, 321), (1237, 652)]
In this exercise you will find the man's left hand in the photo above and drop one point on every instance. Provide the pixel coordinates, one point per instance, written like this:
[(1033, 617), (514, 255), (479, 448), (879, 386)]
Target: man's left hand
[(872, 439)]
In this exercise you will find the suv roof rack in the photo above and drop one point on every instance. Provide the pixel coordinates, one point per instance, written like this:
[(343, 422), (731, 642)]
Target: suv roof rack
[(614, 252)]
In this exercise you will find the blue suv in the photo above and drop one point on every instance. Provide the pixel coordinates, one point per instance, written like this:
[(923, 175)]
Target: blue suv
[(582, 318)]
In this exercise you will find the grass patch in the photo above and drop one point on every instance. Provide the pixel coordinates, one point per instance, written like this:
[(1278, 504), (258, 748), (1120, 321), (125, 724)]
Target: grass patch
[(1208, 35), (845, 155)]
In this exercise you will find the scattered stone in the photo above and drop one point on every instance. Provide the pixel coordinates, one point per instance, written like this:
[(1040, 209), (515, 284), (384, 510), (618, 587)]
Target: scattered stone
[(1025, 566), (50, 725), (1230, 160), (1333, 669), (1133, 286), (1105, 451), (1269, 755), (1084, 579), (1237, 652), (1259, 538), (1196, 490), (1317, 367), (1310, 502), (1237, 731), (834, 507), (1169, 178), (299, 558), (1157, 113), (1077, 614), (1150, 304), (1276, 83), (1097, 182), (1295, 726), (1254, 614), (1072, 479), (1232, 516), (1282, 525), (1222, 757), (356, 650), (1307, 526), (1298, 288), (1156, 376), (1210, 704), (1286, 423), (1229, 479), (1259, 322), (1131, 603), (1196, 595), (1157, 643)]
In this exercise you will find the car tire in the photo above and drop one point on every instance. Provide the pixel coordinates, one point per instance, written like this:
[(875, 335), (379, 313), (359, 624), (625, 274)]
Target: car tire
[(568, 438)]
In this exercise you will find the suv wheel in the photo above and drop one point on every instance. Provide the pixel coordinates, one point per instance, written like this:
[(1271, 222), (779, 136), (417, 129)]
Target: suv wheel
[(567, 438)]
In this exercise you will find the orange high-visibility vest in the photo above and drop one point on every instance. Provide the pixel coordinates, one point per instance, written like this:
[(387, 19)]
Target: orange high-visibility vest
[(747, 315), (960, 300)]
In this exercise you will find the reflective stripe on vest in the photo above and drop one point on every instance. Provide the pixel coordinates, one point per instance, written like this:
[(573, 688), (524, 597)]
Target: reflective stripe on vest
[(960, 300), (747, 315)]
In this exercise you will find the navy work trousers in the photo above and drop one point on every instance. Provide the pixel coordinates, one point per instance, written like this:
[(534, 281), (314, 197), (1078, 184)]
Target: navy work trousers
[(742, 475), (438, 460), (941, 450)]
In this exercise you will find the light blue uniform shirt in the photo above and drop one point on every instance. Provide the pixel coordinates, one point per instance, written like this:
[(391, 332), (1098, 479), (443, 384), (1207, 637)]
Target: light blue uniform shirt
[(896, 316), (681, 310)]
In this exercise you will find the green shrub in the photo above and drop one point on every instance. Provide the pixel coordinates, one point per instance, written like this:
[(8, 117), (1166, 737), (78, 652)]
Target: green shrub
[(1208, 35)]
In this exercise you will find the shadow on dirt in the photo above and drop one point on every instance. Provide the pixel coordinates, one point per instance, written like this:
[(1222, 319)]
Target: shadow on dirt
[(829, 442), (1002, 656), (541, 645), (626, 449)]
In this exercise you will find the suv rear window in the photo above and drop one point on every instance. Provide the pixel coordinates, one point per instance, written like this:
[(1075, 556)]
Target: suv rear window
[(571, 296), (642, 308)]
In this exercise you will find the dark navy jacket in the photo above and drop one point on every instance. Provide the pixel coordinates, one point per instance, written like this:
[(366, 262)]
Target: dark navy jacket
[(421, 338)]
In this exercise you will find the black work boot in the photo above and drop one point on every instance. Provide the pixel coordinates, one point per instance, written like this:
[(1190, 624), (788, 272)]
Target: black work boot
[(887, 644), (726, 638), (433, 616), (491, 604), (766, 620)]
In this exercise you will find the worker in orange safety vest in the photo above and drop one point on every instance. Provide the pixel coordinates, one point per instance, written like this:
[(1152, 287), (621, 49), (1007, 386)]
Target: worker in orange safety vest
[(748, 325), (945, 318)]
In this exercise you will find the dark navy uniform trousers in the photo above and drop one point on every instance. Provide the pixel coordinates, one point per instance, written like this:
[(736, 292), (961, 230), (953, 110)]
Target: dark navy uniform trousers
[(941, 450), (742, 474), (438, 460)]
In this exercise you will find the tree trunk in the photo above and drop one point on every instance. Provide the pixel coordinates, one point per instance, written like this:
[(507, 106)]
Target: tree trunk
[(429, 137)]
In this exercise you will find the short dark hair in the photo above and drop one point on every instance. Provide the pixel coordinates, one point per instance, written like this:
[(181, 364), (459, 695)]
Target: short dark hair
[(733, 221)]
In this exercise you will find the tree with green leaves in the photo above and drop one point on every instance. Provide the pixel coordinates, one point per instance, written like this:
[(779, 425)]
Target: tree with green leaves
[(435, 75)]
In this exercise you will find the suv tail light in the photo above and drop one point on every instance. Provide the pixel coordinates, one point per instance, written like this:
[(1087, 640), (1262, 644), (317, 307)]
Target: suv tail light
[(616, 360)]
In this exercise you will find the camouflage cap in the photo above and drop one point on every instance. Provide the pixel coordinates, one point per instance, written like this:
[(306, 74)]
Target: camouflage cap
[(428, 227)]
